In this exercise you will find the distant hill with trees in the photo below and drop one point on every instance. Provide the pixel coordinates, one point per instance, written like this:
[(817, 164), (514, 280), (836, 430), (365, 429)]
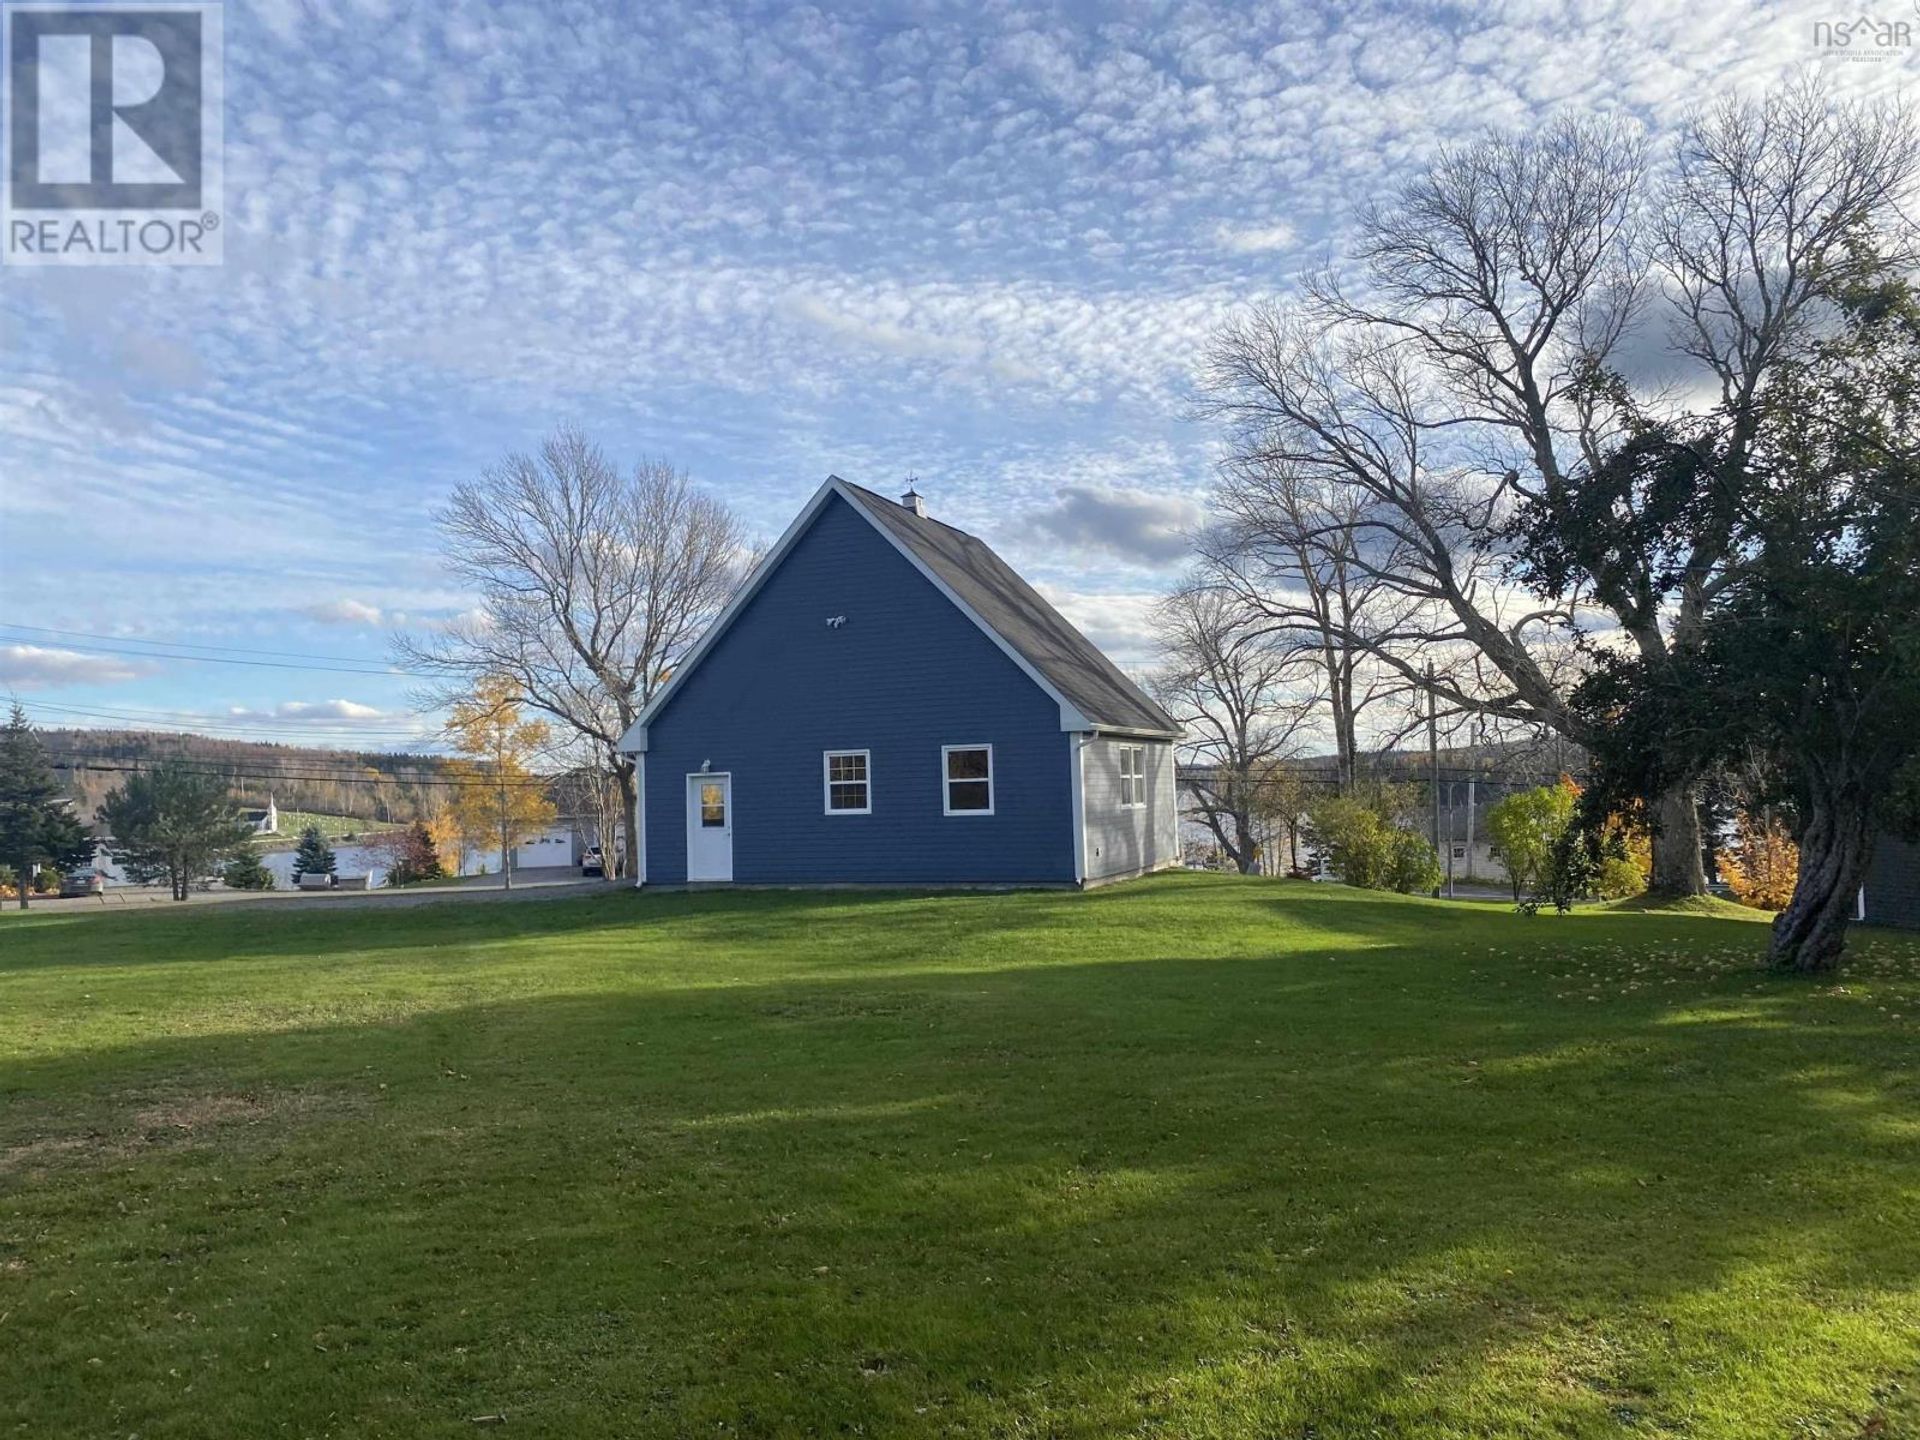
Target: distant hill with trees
[(374, 786)]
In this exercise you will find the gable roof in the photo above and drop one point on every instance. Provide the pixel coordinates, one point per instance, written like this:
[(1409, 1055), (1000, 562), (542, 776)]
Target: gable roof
[(1090, 689), (1013, 609)]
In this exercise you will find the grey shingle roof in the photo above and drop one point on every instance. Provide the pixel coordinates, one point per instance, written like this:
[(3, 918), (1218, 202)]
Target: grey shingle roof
[(1071, 663)]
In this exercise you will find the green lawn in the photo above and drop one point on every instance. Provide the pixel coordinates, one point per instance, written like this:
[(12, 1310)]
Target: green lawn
[(1193, 1157)]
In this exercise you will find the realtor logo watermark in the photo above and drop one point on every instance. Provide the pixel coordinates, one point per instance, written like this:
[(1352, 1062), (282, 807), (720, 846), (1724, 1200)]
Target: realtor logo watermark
[(112, 133), (1866, 38)]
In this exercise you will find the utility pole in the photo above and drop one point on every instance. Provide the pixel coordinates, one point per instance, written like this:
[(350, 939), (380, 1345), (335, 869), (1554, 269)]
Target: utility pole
[(1470, 798), (1433, 764), (500, 774)]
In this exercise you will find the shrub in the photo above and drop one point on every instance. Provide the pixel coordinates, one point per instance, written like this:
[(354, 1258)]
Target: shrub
[(1619, 878), (1370, 852), (1354, 840), (246, 872), (1572, 869), (1413, 867)]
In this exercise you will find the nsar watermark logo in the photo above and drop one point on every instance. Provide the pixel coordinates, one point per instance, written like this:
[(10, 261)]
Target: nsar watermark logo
[(112, 143), (1866, 37)]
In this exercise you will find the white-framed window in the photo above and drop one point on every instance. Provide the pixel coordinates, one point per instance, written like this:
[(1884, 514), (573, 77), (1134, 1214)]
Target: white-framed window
[(847, 778), (1133, 777), (966, 779)]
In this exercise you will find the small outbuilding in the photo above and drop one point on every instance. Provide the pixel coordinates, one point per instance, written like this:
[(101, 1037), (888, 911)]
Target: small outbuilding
[(886, 702)]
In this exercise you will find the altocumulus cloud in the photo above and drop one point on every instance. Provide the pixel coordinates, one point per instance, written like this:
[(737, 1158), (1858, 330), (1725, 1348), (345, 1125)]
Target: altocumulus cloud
[(1119, 622), (985, 244), (344, 612), (34, 667), (1254, 239), (1131, 524)]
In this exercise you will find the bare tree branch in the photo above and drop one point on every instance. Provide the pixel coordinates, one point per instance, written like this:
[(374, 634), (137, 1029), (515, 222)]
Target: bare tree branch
[(592, 585)]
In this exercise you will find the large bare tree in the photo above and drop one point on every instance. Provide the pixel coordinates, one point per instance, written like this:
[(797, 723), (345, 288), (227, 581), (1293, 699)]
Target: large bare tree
[(593, 582), (1286, 546), (1238, 694), (1487, 332)]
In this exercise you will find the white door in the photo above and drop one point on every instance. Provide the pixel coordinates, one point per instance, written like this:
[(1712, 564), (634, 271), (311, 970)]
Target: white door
[(709, 827)]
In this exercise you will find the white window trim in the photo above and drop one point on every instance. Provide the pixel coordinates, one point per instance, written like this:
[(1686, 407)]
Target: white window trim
[(946, 794), (1139, 777), (827, 758)]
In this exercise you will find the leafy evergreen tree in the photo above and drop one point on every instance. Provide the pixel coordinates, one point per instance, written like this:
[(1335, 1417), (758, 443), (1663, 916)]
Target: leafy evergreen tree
[(173, 822), (37, 823), (315, 856), (246, 872), (1809, 656)]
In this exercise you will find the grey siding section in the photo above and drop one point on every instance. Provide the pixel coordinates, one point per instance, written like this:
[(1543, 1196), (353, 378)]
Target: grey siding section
[(1893, 884), (1128, 841)]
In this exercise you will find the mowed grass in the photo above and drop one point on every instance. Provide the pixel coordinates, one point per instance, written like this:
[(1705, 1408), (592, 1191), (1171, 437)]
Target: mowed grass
[(1193, 1156)]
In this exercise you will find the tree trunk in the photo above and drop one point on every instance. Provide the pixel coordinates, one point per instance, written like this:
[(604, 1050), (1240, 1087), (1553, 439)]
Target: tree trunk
[(1245, 859), (628, 821), (1836, 845), (20, 869), (1676, 845)]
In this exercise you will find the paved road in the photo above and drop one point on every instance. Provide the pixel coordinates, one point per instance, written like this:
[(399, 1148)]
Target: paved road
[(554, 883)]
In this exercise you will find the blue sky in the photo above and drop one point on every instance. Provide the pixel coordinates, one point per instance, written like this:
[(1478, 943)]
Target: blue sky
[(983, 244)]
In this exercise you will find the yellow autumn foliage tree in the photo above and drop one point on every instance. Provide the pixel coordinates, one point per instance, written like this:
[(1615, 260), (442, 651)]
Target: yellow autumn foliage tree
[(1762, 864), (498, 795)]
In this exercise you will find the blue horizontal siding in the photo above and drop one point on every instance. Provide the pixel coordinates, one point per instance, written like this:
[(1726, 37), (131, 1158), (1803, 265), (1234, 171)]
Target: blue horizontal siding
[(1893, 883), (906, 674)]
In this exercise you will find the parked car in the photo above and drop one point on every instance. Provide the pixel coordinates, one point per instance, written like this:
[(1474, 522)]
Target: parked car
[(592, 865), (84, 882)]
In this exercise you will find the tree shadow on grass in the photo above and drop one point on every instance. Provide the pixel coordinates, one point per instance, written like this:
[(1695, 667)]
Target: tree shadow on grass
[(1281, 1196)]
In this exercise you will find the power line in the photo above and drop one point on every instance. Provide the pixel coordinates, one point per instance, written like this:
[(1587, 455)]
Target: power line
[(317, 765), (221, 772), (91, 649), (231, 724), (182, 644)]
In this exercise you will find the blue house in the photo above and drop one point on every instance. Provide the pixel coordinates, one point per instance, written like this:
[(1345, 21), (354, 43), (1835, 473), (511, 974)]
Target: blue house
[(886, 702)]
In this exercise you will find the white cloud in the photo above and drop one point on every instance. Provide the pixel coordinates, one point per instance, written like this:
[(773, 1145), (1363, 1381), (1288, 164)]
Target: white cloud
[(35, 667), (344, 612), (472, 619), (348, 710), (1252, 239)]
